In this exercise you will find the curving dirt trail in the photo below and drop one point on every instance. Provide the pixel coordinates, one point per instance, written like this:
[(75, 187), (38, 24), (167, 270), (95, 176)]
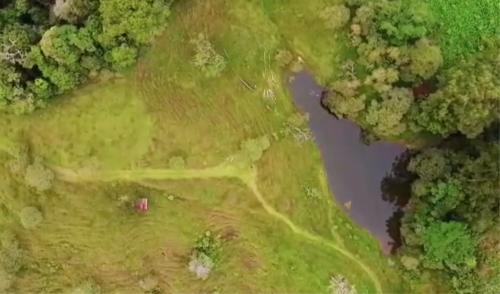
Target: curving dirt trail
[(247, 176)]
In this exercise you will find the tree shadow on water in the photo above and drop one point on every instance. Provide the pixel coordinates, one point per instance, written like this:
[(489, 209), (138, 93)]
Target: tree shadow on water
[(393, 228), (396, 186), (396, 189)]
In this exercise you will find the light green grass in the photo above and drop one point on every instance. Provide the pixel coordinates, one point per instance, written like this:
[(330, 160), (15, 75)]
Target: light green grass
[(103, 124), (122, 133), (305, 32)]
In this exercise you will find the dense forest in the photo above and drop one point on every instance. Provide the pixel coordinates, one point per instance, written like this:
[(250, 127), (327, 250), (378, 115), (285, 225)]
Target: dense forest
[(48, 47), (413, 75), (417, 77)]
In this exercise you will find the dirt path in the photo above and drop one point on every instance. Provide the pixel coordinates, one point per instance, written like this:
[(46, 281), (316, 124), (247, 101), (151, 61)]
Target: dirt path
[(247, 176), (314, 238), (220, 171)]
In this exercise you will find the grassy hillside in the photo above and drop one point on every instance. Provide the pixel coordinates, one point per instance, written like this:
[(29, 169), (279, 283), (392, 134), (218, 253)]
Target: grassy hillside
[(114, 141)]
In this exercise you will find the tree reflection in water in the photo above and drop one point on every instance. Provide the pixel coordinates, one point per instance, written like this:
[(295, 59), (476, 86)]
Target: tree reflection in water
[(396, 189)]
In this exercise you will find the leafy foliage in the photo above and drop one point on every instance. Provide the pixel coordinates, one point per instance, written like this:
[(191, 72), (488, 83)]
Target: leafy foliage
[(38, 176), (41, 57), (392, 53), (30, 217), (252, 150), (66, 44), (449, 244), (336, 16), (386, 116), (425, 59), (74, 11), (210, 245), (206, 253), (283, 58), (340, 285), (206, 58), (397, 83), (121, 57), (467, 100), (137, 22), (11, 254), (455, 205)]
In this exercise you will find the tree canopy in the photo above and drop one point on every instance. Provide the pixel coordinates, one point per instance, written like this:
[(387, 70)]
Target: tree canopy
[(453, 212), (50, 47), (398, 84)]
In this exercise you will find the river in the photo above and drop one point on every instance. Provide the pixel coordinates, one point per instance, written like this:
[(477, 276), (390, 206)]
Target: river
[(359, 174)]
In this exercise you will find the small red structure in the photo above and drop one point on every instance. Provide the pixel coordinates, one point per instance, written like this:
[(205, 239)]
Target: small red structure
[(142, 205)]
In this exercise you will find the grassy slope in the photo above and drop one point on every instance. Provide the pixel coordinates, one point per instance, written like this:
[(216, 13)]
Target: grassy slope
[(166, 107), (95, 126), (303, 31)]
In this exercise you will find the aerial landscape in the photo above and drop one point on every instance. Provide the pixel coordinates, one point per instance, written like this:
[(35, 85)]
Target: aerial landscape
[(250, 146)]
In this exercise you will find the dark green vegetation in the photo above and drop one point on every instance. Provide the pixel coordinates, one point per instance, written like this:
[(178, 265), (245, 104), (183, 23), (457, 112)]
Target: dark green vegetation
[(49, 47), (467, 97), (452, 220), (431, 70)]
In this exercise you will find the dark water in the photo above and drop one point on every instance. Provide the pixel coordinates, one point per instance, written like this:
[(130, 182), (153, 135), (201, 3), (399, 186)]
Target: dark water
[(371, 177)]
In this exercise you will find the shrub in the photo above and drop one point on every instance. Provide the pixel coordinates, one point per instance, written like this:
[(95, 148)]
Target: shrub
[(340, 285), (121, 57), (39, 176), (450, 245), (11, 254), (386, 116), (430, 164), (296, 127), (335, 17), (30, 217), (206, 253), (283, 58), (148, 283), (210, 245), (410, 263), (425, 58), (177, 162), (137, 21), (206, 58), (312, 193), (201, 265), (74, 11), (254, 148), (41, 88)]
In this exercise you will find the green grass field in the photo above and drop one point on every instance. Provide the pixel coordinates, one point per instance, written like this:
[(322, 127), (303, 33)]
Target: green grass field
[(464, 25), (111, 142)]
